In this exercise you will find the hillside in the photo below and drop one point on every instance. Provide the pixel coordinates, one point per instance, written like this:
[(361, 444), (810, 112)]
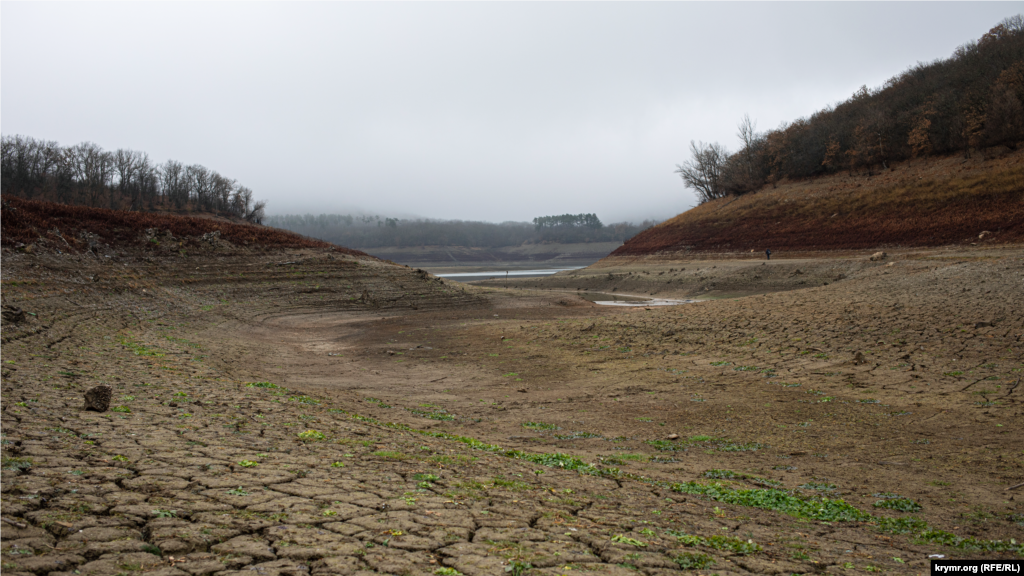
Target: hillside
[(34, 225), (921, 202)]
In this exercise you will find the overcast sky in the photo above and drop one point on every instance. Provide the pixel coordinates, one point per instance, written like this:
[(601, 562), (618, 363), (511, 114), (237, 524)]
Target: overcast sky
[(482, 111)]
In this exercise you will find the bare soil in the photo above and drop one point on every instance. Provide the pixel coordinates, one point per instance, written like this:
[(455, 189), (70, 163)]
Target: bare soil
[(301, 411)]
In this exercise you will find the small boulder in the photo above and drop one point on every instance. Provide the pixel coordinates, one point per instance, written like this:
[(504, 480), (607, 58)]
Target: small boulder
[(98, 398), (878, 256), (983, 234), (673, 437), (983, 325)]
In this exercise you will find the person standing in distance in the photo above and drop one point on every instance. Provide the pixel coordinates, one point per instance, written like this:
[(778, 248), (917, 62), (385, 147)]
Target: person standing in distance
[(768, 253)]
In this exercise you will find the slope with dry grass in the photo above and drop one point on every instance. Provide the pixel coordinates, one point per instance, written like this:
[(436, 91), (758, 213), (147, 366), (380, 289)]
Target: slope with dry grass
[(75, 228), (918, 203)]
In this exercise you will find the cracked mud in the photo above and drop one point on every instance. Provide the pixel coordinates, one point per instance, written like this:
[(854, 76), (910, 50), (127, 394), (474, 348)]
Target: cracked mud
[(302, 413)]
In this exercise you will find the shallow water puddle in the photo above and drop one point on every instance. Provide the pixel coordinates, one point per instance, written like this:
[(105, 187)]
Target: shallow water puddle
[(652, 302)]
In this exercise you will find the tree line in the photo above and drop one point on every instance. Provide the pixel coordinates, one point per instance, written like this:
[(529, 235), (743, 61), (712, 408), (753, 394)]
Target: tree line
[(87, 175), (971, 100), (375, 232), (568, 220)]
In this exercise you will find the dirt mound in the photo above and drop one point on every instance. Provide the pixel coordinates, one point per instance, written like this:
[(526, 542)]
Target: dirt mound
[(920, 203), (77, 228)]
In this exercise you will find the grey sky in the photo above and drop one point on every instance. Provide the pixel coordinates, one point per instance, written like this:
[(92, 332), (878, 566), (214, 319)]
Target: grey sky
[(485, 111)]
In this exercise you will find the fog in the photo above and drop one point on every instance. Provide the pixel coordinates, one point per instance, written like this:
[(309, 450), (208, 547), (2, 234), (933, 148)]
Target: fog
[(476, 111)]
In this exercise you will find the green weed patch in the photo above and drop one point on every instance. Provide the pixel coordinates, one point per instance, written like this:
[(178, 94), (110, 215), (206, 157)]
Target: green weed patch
[(813, 508)]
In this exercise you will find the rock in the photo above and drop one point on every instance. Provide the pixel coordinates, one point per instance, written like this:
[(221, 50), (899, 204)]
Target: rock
[(211, 236), (673, 437), (98, 398), (983, 234), (12, 314), (983, 325), (878, 256), (523, 390)]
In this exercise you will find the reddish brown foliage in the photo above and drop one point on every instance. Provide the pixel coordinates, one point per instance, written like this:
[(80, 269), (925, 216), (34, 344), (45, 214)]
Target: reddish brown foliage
[(925, 213), (25, 221)]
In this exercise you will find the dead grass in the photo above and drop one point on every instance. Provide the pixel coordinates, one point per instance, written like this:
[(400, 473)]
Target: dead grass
[(26, 221), (853, 212)]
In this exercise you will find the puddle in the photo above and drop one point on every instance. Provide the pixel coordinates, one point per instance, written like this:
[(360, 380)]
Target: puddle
[(468, 276), (645, 303), (602, 298)]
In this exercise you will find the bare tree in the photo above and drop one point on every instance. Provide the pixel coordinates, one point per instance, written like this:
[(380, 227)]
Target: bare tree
[(747, 133), (703, 171), (257, 213), (126, 164), (221, 191), (173, 181), (93, 169), (86, 174), (200, 185)]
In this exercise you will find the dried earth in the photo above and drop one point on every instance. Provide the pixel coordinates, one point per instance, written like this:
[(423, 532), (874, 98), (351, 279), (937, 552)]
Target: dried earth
[(304, 412)]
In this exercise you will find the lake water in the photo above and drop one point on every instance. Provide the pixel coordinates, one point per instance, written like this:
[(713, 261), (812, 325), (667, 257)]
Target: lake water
[(645, 303), (593, 297), (469, 276)]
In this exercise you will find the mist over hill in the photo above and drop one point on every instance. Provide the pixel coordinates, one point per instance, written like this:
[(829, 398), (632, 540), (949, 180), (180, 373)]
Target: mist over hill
[(366, 231)]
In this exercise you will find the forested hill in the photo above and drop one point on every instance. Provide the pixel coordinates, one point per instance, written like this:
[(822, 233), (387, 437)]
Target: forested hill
[(959, 105), (921, 202), (931, 158), (88, 175)]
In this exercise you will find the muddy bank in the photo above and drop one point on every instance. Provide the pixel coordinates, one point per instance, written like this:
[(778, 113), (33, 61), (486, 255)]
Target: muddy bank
[(734, 275)]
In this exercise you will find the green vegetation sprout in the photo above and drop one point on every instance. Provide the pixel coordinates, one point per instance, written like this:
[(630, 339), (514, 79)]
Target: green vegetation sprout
[(311, 435)]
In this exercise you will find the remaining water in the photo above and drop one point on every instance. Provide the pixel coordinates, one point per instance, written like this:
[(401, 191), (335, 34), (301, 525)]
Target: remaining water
[(645, 303), (468, 276)]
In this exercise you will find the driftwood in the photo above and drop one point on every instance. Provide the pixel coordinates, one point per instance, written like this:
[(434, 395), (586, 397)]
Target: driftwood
[(13, 523)]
